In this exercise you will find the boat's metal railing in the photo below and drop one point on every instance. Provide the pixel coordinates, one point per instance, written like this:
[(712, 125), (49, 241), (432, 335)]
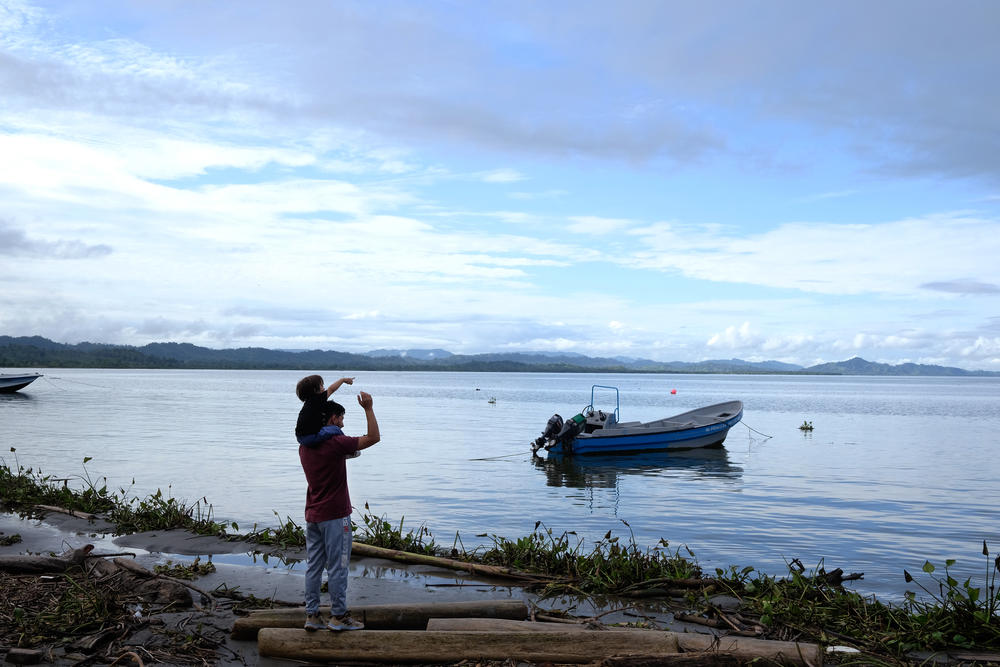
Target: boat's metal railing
[(590, 408)]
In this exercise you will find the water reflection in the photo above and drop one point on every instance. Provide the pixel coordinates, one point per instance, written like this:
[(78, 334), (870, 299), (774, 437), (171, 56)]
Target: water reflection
[(16, 396), (604, 471)]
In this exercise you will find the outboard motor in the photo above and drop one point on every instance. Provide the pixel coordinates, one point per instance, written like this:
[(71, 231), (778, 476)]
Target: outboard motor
[(571, 429), (552, 428)]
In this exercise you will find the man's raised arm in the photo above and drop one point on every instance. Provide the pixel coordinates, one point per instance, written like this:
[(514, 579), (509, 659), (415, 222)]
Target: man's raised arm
[(370, 438)]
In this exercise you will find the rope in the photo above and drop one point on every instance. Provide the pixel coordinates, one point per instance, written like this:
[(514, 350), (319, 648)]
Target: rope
[(756, 431), (62, 379), (505, 456)]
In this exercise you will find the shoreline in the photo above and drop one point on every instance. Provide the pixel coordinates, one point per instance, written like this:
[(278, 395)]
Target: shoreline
[(278, 575)]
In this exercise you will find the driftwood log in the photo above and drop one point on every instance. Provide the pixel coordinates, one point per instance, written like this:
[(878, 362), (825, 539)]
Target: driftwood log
[(162, 587), (63, 510), (26, 564), (361, 549), (384, 616), (743, 648), (678, 660), (393, 647)]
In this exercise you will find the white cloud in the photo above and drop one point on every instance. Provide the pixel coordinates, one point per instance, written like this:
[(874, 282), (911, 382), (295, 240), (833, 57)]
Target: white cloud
[(596, 226), (503, 176), (896, 257)]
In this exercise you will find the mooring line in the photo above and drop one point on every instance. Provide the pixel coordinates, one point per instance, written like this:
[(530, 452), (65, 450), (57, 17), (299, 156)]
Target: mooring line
[(49, 378), (756, 431), (505, 456)]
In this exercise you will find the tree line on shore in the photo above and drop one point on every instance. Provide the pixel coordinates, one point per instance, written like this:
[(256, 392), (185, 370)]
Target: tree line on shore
[(39, 352)]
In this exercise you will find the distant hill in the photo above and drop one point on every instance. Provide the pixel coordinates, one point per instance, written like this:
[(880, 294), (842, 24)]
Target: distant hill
[(858, 366), (38, 352), (423, 355)]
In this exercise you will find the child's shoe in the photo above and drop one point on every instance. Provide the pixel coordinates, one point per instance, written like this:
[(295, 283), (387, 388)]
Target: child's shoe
[(344, 622)]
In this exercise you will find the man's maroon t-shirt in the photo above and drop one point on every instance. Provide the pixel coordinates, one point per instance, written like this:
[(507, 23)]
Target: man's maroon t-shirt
[(326, 472)]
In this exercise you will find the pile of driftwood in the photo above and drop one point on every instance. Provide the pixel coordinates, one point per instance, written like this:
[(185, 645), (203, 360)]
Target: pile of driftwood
[(80, 606), (445, 633)]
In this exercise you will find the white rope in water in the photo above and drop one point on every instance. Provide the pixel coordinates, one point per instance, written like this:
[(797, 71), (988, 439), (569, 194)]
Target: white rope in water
[(505, 456), (756, 431)]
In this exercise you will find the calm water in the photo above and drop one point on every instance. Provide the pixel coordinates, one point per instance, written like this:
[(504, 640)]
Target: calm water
[(897, 470)]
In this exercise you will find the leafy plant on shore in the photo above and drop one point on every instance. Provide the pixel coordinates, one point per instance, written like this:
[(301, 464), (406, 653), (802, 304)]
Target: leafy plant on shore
[(611, 566), (287, 535), (23, 488), (163, 512), (378, 532), (26, 486), (958, 615)]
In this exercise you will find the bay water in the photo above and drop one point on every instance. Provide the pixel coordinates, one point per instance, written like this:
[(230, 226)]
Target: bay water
[(896, 470)]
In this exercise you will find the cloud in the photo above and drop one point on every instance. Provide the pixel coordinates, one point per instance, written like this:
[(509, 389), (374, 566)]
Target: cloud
[(503, 176), (892, 258), (15, 242), (597, 226), (963, 286), (681, 94)]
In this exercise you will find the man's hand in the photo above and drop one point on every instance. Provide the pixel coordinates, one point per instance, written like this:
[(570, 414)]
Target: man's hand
[(347, 380), (365, 400)]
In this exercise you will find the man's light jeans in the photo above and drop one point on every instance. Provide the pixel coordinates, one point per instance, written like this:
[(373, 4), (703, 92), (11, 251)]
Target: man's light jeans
[(328, 546)]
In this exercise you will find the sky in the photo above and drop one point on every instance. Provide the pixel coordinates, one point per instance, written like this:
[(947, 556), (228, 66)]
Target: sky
[(679, 181)]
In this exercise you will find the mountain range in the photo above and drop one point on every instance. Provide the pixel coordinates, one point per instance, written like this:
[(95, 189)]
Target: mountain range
[(38, 352)]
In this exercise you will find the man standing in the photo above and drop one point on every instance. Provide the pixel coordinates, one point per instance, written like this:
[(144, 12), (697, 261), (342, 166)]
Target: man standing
[(328, 515)]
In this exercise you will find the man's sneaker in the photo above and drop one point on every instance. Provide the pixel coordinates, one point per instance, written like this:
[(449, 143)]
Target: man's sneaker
[(344, 622), (314, 622)]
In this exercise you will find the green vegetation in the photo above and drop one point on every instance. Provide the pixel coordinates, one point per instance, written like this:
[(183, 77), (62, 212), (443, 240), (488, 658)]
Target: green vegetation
[(804, 606), (610, 567), (378, 532), (27, 487), (814, 604), (185, 571), (38, 352)]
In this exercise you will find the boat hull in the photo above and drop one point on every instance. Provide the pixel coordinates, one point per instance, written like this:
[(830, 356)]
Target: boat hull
[(667, 434), (11, 383)]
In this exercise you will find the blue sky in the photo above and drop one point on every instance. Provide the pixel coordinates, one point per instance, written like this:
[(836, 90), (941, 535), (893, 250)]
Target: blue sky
[(805, 182)]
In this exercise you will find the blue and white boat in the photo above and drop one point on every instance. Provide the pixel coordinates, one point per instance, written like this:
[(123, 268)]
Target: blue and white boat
[(11, 382), (594, 431)]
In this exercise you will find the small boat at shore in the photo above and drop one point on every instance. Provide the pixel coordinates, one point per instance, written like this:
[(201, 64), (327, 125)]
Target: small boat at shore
[(11, 382), (594, 431)]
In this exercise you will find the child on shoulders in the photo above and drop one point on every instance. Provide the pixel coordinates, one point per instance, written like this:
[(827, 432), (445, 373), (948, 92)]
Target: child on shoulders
[(310, 428)]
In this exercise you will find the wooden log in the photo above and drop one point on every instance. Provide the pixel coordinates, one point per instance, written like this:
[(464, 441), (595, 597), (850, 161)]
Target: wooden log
[(43, 564), (361, 549), (407, 646), (504, 625), (748, 648), (679, 660), (744, 648), (24, 656), (384, 616), (64, 510)]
